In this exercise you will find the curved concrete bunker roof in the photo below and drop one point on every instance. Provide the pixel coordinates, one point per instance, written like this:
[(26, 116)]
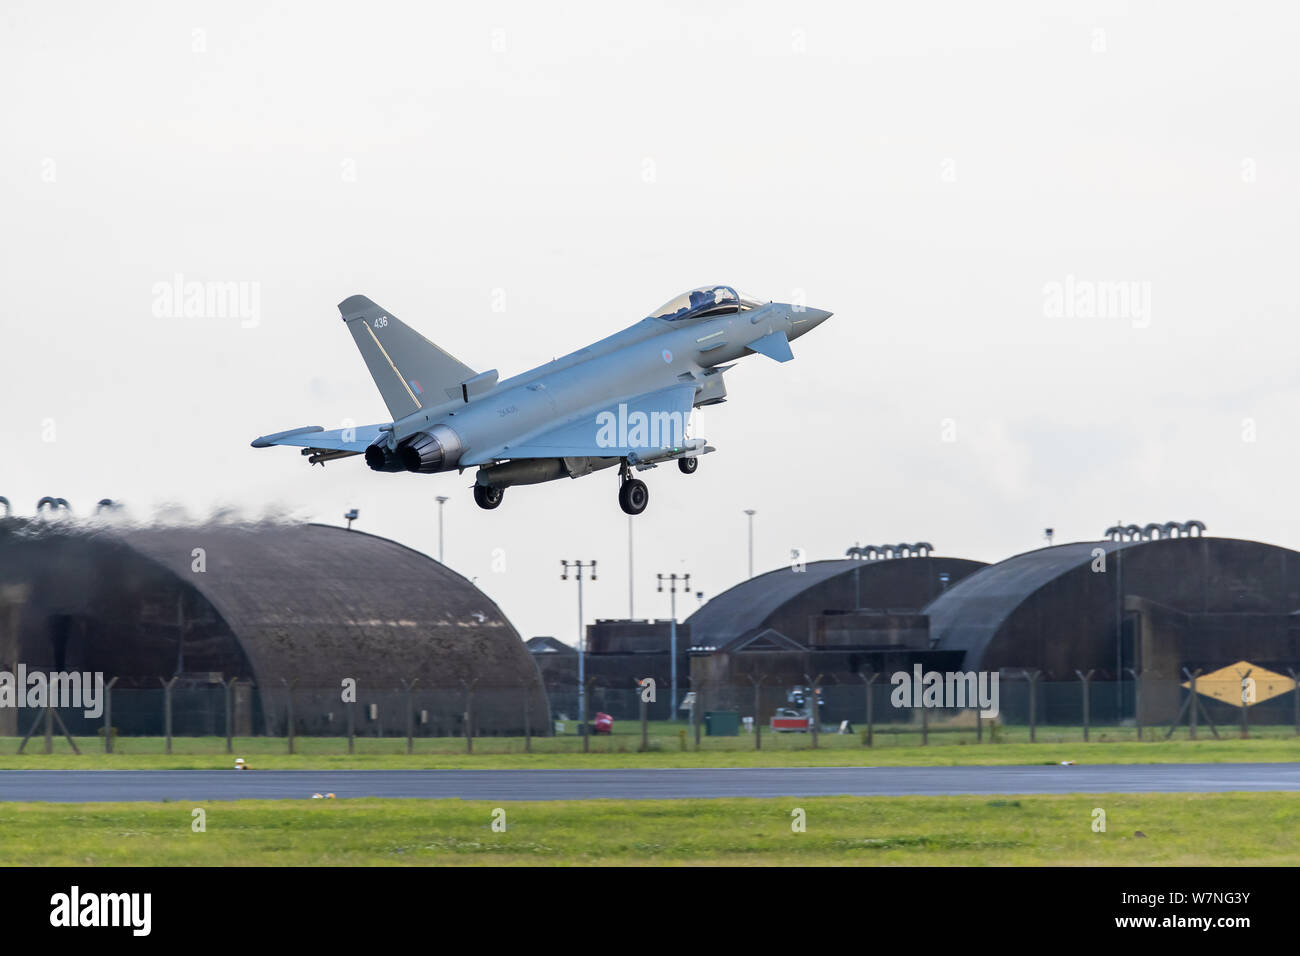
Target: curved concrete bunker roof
[(783, 598), (1049, 609), (312, 603), (316, 601), (968, 615)]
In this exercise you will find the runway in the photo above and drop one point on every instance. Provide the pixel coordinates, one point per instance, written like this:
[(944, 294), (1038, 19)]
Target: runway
[(626, 784)]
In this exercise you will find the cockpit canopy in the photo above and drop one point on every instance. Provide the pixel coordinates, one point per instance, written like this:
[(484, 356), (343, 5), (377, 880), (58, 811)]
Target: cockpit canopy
[(706, 300)]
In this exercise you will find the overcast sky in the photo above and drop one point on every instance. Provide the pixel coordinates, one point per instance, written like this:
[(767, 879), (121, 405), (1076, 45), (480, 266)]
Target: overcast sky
[(1060, 242)]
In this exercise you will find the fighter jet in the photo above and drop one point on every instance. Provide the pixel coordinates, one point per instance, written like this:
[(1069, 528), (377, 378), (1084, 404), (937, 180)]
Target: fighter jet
[(624, 401)]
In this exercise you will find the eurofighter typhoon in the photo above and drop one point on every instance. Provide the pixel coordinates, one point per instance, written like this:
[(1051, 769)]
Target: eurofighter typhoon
[(625, 400)]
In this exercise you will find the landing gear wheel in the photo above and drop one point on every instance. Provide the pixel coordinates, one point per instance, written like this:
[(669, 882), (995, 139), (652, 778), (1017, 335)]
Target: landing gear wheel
[(687, 466), (633, 496), (487, 497)]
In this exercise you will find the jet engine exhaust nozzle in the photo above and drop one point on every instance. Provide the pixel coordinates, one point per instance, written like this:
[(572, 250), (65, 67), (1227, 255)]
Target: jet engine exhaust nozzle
[(380, 458), (421, 452), (436, 450)]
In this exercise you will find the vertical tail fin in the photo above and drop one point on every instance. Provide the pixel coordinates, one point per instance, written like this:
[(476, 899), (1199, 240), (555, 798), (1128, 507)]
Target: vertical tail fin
[(410, 371)]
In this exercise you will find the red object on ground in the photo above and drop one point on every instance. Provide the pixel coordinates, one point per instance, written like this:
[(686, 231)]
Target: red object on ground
[(604, 722), (791, 723)]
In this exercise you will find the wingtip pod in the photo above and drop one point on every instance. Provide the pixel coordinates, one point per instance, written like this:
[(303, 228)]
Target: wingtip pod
[(355, 305)]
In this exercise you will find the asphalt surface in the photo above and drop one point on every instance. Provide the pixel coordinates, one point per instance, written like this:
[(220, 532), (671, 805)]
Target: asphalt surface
[(622, 784)]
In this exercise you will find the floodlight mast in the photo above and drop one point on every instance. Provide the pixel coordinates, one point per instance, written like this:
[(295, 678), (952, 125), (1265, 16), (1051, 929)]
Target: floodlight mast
[(578, 567), (442, 500), (672, 580), (750, 512)]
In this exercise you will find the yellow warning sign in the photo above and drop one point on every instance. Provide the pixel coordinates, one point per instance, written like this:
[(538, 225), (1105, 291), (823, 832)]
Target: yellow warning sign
[(1242, 682)]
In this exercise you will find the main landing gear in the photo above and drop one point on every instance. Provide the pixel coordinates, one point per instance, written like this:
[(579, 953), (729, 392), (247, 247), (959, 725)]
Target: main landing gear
[(633, 495), (487, 497)]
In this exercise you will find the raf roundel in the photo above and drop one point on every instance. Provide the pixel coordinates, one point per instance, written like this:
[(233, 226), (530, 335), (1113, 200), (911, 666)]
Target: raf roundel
[(668, 357)]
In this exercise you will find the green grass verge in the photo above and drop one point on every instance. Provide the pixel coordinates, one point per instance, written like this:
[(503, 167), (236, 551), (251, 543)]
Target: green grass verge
[(1270, 744), (1179, 829)]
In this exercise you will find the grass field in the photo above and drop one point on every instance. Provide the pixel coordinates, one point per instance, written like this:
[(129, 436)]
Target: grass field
[(668, 749), (1179, 829)]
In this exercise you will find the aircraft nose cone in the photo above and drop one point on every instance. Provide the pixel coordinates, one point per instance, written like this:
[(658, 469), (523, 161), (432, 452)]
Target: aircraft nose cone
[(807, 319)]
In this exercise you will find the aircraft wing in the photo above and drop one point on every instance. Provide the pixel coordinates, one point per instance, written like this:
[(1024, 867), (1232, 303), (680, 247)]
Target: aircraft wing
[(355, 439), (646, 426)]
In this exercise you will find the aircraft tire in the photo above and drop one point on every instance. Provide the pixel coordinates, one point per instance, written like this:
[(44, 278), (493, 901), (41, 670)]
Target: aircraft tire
[(488, 498), (633, 496), (687, 466)]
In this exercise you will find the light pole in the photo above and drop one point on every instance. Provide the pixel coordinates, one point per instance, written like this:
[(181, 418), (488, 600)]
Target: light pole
[(750, 512), (578, 567), (442, 500), (673, 580), (1119, 626), (630, 590)]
